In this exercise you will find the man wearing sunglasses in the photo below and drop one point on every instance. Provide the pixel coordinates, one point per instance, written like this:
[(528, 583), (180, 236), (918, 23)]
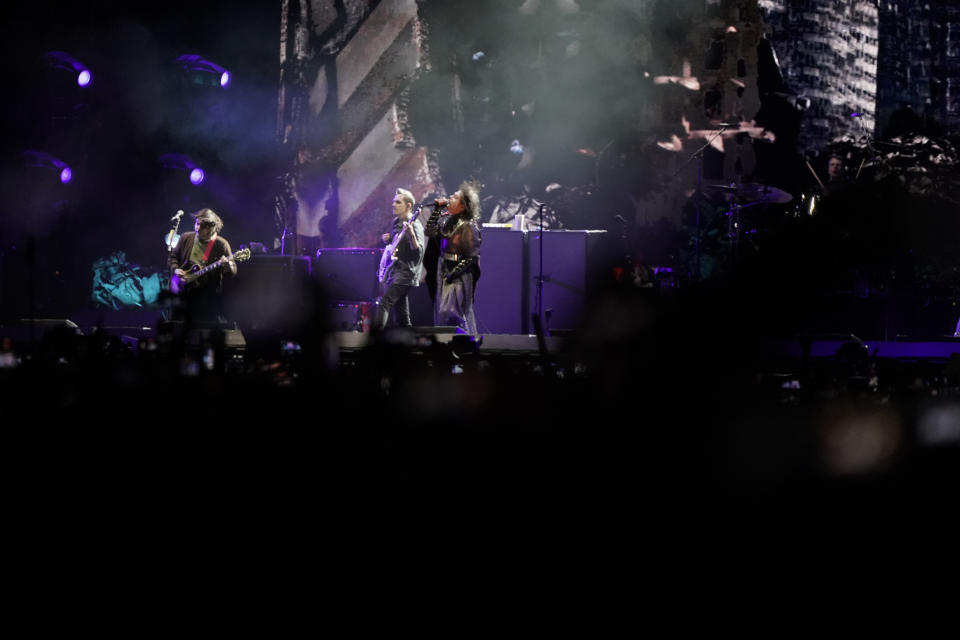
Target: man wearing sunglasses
[(197, 249)]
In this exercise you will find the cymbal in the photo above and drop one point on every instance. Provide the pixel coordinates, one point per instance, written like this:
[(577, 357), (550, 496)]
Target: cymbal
[(753, 192)]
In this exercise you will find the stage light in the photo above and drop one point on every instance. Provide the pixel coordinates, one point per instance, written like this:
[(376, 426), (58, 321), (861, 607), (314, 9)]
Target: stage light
[(182, 162), (65, 61), (204, 72), (44, 160)]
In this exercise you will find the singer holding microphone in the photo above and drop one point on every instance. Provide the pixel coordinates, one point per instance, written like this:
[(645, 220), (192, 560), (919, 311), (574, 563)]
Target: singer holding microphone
[(454, 223)]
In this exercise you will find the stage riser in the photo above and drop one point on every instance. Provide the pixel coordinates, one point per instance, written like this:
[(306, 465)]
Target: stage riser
[(939, 350)]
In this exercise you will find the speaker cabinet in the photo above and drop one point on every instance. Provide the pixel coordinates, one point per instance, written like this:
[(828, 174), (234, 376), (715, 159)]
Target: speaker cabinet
[(348, 274), (570, 263), (501, 300), (269, 292), (348, 315)]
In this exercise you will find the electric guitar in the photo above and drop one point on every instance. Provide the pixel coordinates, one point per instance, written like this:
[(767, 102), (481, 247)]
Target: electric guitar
[(391, 250), (181, 284)]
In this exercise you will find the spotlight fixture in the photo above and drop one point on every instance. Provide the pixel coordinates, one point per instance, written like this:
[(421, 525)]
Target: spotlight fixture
[(183, 162), (204, 72), (65, 61), (44, 160)]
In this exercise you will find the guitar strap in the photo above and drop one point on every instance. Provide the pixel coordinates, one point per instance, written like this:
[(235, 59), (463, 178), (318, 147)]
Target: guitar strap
[(206, 252)]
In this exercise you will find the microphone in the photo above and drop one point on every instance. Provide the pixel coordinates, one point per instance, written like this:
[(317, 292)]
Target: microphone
[(727, 125), (440, 203), (177, 217)]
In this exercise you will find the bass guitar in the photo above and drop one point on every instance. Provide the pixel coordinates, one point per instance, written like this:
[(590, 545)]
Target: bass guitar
[(181, 284), (391, 250)]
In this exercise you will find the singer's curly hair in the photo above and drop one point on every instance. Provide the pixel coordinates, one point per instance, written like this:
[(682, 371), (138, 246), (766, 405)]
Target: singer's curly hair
[(471, 200), (210, 215)]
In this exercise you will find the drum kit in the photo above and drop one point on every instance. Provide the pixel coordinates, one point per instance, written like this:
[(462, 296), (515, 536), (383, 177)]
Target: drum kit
[(738, 196)]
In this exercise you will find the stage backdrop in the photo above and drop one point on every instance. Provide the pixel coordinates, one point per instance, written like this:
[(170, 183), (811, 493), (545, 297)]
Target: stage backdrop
[(342, 112)]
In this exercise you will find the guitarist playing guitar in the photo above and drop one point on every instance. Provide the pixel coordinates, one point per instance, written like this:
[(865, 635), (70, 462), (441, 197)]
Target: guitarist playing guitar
[(199, 250), (402, 263)]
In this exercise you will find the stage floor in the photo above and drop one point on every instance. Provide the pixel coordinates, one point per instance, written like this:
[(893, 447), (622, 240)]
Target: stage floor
[(488, 343)]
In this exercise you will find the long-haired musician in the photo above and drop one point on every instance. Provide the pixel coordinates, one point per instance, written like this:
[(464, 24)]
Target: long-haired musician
[(455, 223)]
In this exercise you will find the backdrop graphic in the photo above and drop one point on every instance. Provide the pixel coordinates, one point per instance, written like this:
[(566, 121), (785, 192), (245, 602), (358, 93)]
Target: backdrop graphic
[(603, 102)]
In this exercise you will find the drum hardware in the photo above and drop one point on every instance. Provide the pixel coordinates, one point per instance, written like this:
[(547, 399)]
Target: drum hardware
[(698, 156), (753, 193), (807, 206), (809, 202), (740, 196)]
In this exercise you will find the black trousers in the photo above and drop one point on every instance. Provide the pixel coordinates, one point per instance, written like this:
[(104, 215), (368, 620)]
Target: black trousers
[(394, 296)]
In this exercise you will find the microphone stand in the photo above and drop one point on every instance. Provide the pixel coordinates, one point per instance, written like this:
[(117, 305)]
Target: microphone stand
[(698, 154), (170, 237), (173, 232), (538, 326), (627, 255), (596, 165), (538, 318)]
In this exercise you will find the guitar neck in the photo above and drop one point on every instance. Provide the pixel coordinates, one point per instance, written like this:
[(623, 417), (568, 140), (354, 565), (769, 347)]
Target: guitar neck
[(210, 267), (407, 227), (391, 250), (238, 256)]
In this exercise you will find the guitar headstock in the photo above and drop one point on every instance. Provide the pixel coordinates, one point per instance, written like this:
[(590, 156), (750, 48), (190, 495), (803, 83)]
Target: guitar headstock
[(243, 254)]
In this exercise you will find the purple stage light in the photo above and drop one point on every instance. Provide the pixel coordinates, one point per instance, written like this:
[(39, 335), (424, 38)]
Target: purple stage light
[(204, 72), (64, 61), (43, 160), (182, 162)]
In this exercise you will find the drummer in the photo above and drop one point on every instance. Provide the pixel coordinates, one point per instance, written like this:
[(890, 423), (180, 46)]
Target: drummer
[(837, 180)]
